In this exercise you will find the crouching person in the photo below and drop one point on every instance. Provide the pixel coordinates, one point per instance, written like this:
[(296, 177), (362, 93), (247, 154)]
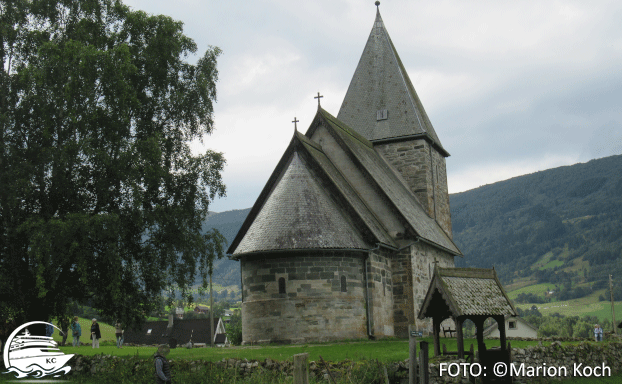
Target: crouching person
[(162, 366)]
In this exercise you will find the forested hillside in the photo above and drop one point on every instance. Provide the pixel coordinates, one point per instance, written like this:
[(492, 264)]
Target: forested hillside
[(227, 272), (561, 226)]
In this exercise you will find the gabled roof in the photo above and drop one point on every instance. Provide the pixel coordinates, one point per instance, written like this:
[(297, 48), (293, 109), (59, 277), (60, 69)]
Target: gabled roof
[(495, 326), (388, 182), (466, 292), (380, 82), (308, 204)]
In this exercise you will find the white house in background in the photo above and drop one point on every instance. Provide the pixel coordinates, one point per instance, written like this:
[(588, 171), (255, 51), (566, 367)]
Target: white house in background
[(514, 327)]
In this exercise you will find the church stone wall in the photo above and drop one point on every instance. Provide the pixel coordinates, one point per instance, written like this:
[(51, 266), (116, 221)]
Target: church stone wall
[(409, 289), (313, 308), (441, 193), (411, 159), (424, 171), (380, 282)]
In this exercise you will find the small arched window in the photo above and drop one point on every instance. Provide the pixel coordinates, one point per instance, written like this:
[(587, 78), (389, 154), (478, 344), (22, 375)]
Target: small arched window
[(344, 287), (282, 285)]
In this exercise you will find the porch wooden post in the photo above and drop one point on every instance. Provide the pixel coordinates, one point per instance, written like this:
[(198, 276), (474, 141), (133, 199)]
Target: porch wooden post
[(436, 327), (501, 325), (458, 323), (479, 326)]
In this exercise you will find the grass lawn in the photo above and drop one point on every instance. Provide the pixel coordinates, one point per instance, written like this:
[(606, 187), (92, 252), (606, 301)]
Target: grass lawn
[(383, 350)]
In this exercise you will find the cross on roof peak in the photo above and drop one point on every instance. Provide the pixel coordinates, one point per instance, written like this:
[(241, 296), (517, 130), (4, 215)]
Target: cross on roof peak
[(295, 121), (318, 97)]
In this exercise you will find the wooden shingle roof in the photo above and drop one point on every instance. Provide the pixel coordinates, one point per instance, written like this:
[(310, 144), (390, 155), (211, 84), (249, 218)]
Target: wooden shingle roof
[(466, 292), (381, 82), (388, 182), (308, 202)]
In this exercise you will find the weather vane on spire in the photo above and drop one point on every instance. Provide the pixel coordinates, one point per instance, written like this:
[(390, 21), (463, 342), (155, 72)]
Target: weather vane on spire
[(296, 121), (377, 4), (318, 97)]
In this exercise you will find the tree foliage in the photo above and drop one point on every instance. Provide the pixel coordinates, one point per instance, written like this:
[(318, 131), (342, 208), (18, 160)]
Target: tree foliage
[(101, 199)]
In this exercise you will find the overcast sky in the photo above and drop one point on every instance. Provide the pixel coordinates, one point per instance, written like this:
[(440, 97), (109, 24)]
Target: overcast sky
[(510, 87)]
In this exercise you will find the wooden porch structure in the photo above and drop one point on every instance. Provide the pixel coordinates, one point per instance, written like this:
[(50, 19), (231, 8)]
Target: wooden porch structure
[(468, 293)]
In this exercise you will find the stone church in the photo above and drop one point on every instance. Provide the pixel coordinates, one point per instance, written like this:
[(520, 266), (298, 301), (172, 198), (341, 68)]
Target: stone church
[(342, 241)]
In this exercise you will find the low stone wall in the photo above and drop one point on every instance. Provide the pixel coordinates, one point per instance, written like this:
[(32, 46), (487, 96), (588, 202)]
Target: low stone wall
[(93, 365), (534, 364), (540, 364)]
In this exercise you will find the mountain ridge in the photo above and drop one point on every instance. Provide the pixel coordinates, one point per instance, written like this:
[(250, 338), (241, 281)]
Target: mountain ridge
[(561, 226)]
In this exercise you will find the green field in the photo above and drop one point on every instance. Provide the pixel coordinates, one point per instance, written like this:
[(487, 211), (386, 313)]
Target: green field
[(536, 289), (384, 350), (545, 262), (585, 306)]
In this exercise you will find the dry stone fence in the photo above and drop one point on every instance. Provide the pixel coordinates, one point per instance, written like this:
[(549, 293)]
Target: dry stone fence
[(588, 354)]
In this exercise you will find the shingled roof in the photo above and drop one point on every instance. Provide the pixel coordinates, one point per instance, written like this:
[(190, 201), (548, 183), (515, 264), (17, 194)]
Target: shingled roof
[(380, 83), (395, 191), (466, 292), (308, 203)]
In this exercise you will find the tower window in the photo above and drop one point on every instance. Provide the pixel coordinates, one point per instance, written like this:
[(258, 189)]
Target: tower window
[(344, 287), (282, 285), (382, 114)]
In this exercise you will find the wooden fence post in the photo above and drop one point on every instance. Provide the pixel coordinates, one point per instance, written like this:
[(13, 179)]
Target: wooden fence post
[(412, 355), (424, 374), (301, 368)]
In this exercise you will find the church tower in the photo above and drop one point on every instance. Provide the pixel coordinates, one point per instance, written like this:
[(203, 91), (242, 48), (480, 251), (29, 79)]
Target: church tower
[(382, 105), (343, 239)]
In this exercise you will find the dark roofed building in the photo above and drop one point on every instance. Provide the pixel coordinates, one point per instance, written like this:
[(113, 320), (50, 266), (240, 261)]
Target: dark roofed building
[(341, 241), (201, 309), (178, 332)]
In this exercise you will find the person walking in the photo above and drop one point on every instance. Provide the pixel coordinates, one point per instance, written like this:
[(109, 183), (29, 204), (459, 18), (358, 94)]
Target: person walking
[(162, 366), (95, 333), (63, 324), (76, 331), (598, 332), (119, 334)]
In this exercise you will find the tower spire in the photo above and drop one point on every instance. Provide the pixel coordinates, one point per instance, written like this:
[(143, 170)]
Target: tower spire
[(381, 103)]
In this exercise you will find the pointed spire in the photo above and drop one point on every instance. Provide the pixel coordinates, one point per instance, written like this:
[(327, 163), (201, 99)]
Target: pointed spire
[(381, 102)]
